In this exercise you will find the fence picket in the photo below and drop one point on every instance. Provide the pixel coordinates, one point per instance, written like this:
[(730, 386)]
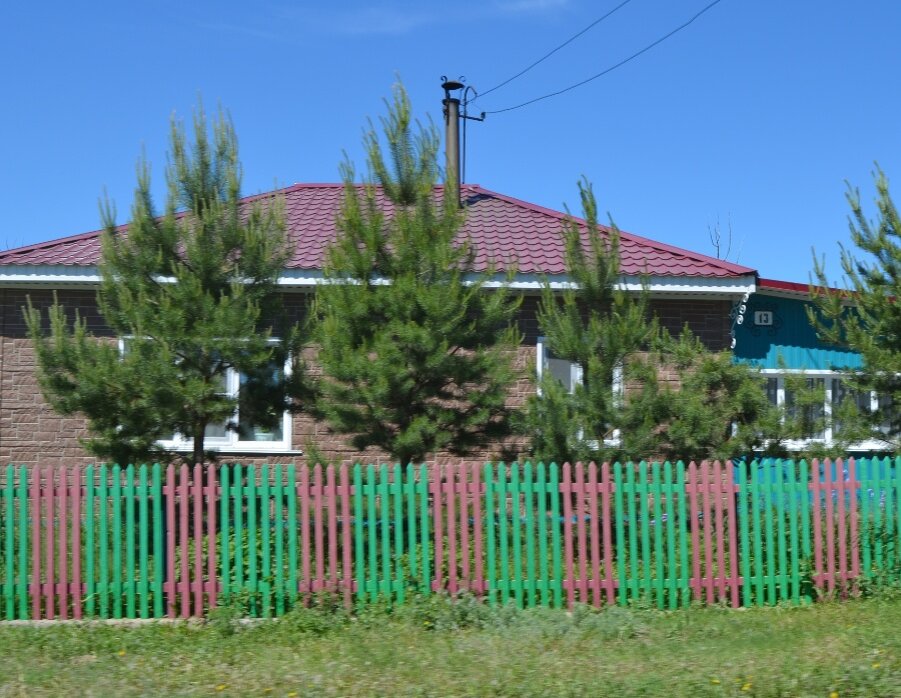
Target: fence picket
[(621, 560), (9, 542), (566, 490), (593, 494), (659, 575), (265, 516), (478, 584)]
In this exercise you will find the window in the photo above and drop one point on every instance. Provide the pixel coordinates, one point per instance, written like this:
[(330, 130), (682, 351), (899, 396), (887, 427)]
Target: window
[(570, 375), (824, 427), (238, 434)]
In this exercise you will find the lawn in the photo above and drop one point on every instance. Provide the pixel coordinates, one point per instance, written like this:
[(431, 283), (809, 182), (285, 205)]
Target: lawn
[(431, 648)]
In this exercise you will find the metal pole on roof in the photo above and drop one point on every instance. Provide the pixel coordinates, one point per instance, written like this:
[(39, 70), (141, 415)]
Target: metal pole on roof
[(452, 133)]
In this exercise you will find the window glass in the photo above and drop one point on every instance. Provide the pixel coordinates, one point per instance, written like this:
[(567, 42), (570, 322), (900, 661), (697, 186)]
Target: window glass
[(247, 431), (812, 416), (772, 391), (560, 369)]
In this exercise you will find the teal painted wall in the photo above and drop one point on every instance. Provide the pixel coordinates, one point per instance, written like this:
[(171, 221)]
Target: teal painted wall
[(790, 336)]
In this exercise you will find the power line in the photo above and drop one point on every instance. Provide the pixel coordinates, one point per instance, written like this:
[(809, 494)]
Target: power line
[(611, 68), (551, 53)]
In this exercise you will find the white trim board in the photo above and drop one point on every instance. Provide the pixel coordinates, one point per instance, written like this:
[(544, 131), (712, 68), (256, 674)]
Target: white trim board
[(59, 275)]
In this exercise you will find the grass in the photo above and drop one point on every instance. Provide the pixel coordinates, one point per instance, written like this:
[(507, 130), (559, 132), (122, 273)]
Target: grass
[(433, 648)]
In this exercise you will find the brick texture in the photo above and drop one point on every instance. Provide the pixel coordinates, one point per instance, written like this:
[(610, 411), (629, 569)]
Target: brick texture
[(31, 433)]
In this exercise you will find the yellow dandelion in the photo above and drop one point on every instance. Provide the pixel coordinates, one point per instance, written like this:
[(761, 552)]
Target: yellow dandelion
[(876, 665), (746, 687), (715, 682), (833, 694), (221, 687), (121, 653)]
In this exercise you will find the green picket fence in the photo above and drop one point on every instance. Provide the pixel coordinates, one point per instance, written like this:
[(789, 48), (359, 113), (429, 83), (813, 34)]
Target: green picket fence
[(155, 541)]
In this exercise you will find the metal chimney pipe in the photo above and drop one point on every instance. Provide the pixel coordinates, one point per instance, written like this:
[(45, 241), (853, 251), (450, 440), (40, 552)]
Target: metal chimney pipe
[(452, 134)]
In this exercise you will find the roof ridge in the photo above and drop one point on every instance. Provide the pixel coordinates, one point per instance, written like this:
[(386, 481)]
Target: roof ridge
[(729, 266)]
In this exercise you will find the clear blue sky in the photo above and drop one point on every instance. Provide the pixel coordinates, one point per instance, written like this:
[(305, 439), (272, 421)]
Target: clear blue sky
[(757, 113)]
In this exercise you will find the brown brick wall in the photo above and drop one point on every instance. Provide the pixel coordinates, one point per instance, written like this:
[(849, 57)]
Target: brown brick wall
[(708, 319), (31, 433)]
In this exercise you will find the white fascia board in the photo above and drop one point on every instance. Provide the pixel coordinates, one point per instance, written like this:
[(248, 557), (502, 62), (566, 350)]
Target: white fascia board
[(49, 275), (70, 275), (665, 285)]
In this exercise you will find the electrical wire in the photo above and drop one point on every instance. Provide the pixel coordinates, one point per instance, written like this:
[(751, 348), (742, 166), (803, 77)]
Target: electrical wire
[(548, 55), (611, 68)]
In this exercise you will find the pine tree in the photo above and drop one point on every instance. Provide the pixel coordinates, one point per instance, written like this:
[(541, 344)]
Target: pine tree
[(715, 407), (866, 317), (191, 294), (622, 409), (598, 326), (416, 351)]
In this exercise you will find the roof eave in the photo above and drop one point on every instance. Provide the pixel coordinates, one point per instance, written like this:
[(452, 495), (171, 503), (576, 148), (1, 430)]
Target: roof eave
[(54, 276)]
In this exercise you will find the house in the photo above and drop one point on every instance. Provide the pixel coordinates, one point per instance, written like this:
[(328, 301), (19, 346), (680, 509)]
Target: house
[(686, 288), (777, 337)]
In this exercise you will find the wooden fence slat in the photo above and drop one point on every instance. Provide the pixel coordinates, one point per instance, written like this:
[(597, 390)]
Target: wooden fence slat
[(143, 589), (659, 570), (541, 489), (581, 532), (829, 483), (265, 519), (843, 566), (695, 519), (9, 543), (854, 493), (332, 515), (128, 494), (305, 550), (318, 528), (438, 582), (397, 491), (490, 529), (566, 489), (516, 533), (707, 523), (384, 528), (478, 584), (593, 494), (449, 489), (463, 490), (607, 533), (346, 531), (212, 493), (528, 507), (619, 511), (731, 493), (719, 493), (171, 541)]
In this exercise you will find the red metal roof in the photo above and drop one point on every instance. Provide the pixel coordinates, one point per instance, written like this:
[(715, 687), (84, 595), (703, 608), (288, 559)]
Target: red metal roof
[(502, 229), (797, 288)]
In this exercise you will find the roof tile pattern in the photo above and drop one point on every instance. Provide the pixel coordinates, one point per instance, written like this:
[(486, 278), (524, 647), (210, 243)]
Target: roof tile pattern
[(502, 229)]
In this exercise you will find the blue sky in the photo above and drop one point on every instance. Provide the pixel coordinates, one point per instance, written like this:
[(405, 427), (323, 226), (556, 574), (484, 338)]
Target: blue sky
[(756, 114)]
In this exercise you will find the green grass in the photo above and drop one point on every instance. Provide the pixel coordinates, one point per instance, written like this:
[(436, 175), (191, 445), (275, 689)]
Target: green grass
[(433, 648)]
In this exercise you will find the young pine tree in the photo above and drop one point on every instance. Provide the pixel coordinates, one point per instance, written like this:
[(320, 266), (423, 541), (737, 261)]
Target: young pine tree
[(598, 326), (191, 294), (416, 352), (867, 316)]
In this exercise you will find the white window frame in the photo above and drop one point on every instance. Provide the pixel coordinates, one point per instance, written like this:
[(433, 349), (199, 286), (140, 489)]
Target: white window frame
[(576, 378), (827, 439), (231, 442)]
